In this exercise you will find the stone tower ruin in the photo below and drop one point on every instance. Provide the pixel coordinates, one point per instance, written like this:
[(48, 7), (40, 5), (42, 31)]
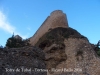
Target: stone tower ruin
[(56, 19)]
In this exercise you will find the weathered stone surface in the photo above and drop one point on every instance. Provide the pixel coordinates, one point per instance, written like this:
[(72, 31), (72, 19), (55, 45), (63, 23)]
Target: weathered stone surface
[(65, 51), (65, 48), (80, 54), (22, 58), (56, 19)]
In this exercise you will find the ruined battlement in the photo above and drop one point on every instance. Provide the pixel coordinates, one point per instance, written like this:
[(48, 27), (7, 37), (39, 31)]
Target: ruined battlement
[(56, 12), (56, 19)]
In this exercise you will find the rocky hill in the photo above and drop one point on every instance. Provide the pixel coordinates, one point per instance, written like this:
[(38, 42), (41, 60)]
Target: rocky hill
[(56, 19), (56, 49), (22, 61), (57, 36), (65, 48)]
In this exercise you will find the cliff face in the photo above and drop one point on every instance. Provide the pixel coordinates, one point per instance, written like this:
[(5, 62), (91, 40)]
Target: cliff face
[(67, 49), (56, 19)]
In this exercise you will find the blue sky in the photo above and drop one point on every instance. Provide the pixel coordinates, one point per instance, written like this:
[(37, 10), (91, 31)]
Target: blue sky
[(24, 17)]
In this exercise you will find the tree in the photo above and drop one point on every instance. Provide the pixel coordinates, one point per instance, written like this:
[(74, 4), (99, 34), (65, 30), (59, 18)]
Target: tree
[(98, 44), (97, 48), (16, 42), (1, 46)]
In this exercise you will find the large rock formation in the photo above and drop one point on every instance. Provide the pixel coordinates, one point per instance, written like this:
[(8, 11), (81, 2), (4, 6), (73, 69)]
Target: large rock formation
[(67, 52), (22, 61), (64, 51), (56, 19)]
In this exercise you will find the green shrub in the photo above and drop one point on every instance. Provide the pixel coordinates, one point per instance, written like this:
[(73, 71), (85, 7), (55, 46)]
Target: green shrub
[(13, 42), (98, 52), (65, 36), (97, 48), (1, 47)]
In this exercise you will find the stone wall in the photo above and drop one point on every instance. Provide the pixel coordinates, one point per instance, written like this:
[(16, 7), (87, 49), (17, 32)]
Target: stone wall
[(56, 19)]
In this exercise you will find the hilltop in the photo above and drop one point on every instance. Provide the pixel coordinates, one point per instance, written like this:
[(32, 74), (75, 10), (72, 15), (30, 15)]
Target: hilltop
[(55, 47), (56, 19), (67, 48)]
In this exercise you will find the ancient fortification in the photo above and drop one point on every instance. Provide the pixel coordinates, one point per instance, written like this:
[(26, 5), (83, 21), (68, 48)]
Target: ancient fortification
[(56, 19), (59, 50)]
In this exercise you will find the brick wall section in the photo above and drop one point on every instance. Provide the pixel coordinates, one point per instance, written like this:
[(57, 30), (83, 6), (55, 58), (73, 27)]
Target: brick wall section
[(56, 19)]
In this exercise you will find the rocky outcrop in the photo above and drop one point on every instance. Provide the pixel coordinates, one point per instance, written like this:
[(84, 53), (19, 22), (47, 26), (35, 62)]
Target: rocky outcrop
[(56, 19), (22, 61), (67, 52), (57, 36), (64, 51), (80, 54)]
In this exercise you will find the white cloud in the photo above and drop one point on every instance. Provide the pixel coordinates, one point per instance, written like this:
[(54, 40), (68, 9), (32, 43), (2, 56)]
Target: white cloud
[(6, 26)]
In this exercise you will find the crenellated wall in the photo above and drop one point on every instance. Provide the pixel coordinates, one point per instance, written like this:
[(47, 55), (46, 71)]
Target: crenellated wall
[(56, 19)]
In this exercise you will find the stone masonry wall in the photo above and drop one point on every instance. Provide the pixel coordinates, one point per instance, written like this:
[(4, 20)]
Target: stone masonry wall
[(56, 19)]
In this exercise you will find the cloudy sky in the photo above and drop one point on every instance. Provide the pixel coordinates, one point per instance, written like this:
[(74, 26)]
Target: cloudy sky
[(24, 17)]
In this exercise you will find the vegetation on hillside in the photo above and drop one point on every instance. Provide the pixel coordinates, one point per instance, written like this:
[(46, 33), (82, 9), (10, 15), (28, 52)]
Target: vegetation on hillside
[(57, 36), (1, 47), (16, 42), (97, 48), (53, 36)]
